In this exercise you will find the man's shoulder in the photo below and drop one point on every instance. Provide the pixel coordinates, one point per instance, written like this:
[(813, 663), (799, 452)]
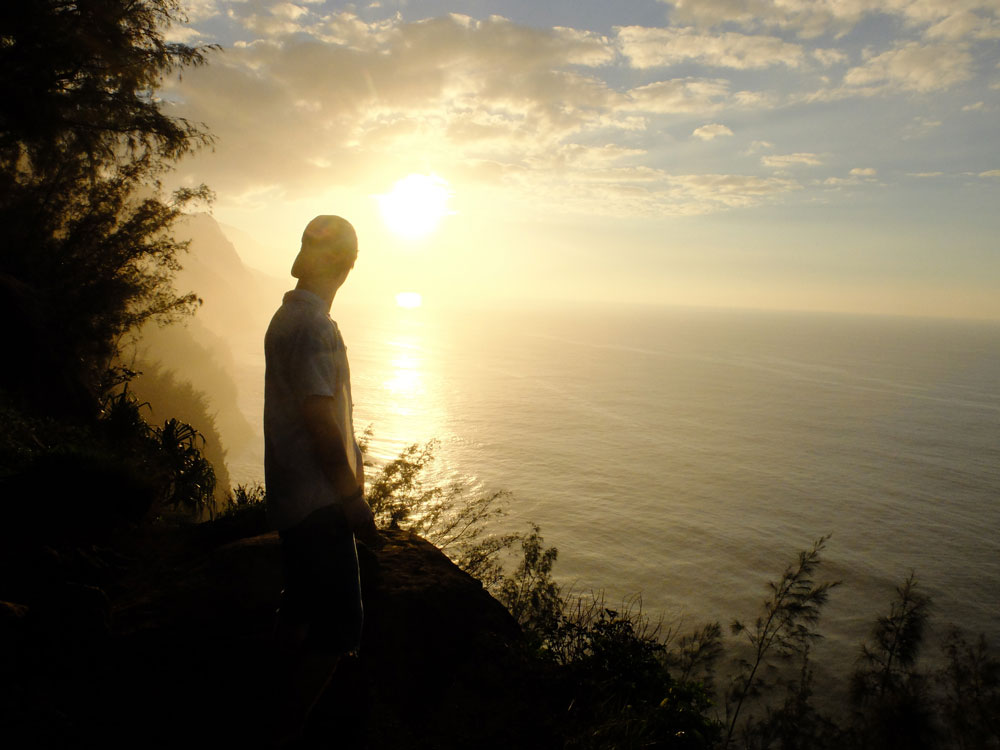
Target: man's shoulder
[(293, 325), (295, 315)]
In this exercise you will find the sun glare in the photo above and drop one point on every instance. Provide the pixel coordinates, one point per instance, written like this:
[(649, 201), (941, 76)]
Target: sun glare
[(416, 204), (409, 300)]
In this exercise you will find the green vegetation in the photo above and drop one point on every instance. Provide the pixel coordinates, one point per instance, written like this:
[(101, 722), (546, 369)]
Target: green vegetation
[(88, 250), (446, 516), (784, 629), (88, 253)]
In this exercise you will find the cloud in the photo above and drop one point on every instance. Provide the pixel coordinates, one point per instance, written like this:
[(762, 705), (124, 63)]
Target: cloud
[(783, 161), (857, 176), (353, 90), (679, 95), (199, 10), (710, 131), (920, 127), (756, 146), (973, 107), (941, 19), (702, 193), (964, 24), (990, 173), (342, 101), (923, 175), (182, 35), (288, 10), (913, 67), (828, 57), (310, 99), (647, 47), (810, 18)]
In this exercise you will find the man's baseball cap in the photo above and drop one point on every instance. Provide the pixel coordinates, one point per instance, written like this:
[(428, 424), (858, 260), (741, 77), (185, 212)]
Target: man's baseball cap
[(327, 242)]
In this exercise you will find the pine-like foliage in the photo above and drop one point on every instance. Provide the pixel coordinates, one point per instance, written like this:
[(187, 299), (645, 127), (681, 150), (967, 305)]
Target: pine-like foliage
[(785, 628), (84, 143), (890, 693)]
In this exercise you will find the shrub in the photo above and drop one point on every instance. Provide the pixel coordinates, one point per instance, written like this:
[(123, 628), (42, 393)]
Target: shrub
[(970, 680), (888, 690), (784, 628), (446, 516), (171, 454)]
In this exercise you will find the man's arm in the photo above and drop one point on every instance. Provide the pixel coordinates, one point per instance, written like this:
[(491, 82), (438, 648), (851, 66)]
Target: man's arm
[(321, 421)]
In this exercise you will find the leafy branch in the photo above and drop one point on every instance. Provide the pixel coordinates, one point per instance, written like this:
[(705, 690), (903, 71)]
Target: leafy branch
[(786, 626)]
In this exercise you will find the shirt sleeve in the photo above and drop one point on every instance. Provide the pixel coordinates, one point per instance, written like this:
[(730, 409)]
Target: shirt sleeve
[(313, 367)]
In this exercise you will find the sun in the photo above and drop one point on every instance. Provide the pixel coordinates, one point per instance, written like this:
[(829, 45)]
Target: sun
[(415, 205)]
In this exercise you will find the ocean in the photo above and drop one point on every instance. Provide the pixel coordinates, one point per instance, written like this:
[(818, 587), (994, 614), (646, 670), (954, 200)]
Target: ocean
[(686, 456)]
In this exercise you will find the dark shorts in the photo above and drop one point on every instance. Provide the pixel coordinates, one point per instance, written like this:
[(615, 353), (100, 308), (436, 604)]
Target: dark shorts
[(322, 588)]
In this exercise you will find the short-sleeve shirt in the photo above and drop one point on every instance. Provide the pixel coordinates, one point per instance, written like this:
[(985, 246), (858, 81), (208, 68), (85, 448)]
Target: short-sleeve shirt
[(305, 356)]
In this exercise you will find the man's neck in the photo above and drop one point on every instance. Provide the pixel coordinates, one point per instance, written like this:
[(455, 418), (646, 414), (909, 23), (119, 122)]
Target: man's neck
[(325, 289)]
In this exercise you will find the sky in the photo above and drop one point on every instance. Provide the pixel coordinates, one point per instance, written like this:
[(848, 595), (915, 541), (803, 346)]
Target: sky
[(837, 155)]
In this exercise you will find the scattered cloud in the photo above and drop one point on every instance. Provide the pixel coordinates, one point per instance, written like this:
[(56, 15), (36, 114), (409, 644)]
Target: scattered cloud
[(701, 193), (757, 146), (680, 95), (920, 127), (648, 47), (828, 57), (182, 35), (783, 161), (856, 176), (990, 173), (199, 10), (478, 89), (809, 18), (710, 131), (341, 101), (912, 67), (288, 10), (964, 24), (924, 175), (324, 98), (949, 20)]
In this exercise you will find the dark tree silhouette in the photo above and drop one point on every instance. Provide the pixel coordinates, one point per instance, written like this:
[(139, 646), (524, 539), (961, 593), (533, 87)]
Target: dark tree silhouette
[(889, 692), (84, 143)]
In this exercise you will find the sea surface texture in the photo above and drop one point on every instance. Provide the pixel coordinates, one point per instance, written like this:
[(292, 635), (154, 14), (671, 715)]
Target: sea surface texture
[(687, 456)]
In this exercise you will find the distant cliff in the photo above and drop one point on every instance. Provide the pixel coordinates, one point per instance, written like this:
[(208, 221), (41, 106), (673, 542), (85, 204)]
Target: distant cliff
[(189, 370)]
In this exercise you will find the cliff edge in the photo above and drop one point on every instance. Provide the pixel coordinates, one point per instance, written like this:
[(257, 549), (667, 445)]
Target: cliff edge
[(166, 641)]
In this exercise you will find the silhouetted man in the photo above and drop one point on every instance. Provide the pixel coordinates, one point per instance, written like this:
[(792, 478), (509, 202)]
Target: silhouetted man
[(313, 472)]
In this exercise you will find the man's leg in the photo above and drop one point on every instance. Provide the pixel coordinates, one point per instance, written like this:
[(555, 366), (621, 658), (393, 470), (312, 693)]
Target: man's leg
[(303, 674), (320, 617)]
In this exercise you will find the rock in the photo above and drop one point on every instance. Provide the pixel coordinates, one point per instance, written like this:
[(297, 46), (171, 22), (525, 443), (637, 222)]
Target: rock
[(191, 659), (13, 627), (438, 652)]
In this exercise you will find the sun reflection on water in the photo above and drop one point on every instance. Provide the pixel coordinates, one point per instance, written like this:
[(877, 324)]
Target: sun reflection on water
[(404, 415), (398, 378)]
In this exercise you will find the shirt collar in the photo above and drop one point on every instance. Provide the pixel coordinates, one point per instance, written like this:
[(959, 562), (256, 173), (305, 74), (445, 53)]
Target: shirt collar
[(305, 297)]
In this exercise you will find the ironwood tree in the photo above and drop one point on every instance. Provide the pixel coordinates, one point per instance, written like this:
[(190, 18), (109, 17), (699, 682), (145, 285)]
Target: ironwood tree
[(84, 144)]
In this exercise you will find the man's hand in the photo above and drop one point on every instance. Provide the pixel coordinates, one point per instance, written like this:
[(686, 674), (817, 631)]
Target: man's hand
[(321, 421), (360, 518)]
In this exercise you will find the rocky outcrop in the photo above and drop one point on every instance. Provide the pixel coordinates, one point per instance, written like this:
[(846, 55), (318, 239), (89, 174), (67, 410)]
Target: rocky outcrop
[(189, 658)]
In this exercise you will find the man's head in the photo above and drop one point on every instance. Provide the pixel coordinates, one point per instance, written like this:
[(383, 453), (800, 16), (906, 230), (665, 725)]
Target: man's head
[(329, 248)]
